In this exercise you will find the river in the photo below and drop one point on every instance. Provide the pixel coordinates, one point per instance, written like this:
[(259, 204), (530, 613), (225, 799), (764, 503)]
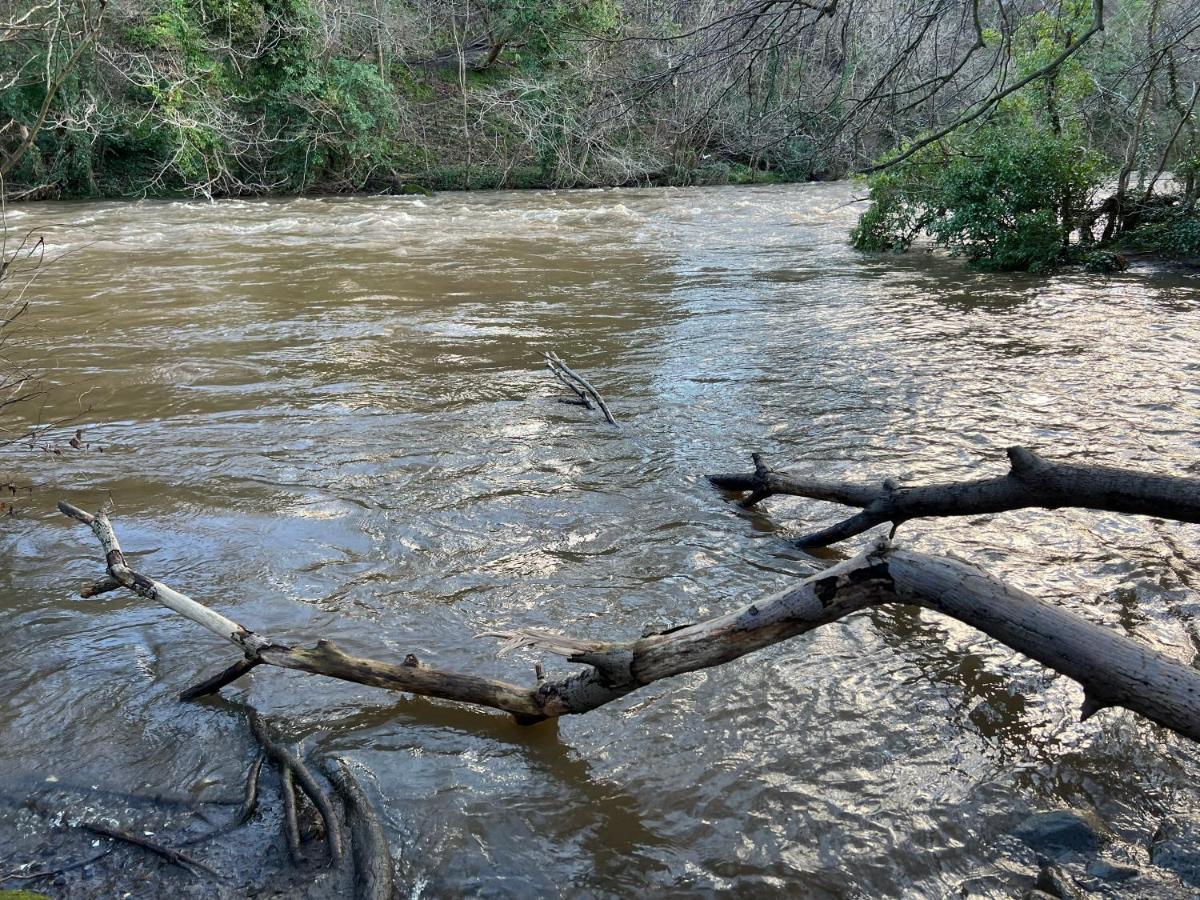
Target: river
[(328, 417)]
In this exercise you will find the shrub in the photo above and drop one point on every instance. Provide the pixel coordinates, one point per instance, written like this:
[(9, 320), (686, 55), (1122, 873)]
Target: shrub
[(1172, 231), (1004, 197)]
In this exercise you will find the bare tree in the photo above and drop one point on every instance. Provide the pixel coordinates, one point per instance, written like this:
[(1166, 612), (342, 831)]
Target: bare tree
[(45, 43)]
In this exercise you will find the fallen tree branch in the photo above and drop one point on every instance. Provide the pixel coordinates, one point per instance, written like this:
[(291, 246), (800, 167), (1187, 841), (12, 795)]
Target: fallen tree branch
[(1031, 482), (582, 387), (170, 854), (1114, 670)]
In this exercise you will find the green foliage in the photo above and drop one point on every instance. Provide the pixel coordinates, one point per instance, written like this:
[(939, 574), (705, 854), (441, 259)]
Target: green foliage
[(1010, 194), (1172, 231), (1004, 197), (337, 120), (541, 27), (1104, 262), (223, 97)]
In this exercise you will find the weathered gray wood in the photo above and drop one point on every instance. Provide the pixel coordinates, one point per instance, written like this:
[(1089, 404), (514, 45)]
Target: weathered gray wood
[(1031, 482), (561, 369), (1113, 669), (580, 398), (118, 570)]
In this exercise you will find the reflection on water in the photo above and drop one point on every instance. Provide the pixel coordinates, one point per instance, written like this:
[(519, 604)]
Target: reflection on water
[(329, 417)]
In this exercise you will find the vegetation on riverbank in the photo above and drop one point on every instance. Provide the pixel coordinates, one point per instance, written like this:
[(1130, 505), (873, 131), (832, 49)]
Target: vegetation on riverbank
[(242, 97), (1020, 136), (1056, 172)]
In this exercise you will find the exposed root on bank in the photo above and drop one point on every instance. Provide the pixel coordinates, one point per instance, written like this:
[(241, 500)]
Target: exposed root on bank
[(247, 809), (374, 877), (294, 772)]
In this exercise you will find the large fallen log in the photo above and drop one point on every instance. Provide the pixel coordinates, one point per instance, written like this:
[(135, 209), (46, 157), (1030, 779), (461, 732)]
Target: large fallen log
[(1114, 670), (1030, 482)]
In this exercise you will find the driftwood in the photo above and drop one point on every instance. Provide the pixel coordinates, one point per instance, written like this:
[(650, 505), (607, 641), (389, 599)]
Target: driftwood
[(583, 389), (1030, 482), (1114, 670)]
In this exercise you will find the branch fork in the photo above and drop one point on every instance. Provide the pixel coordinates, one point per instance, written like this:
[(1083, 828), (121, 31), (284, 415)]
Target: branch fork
[(1032, 481), (1113, 669), (583, 390)]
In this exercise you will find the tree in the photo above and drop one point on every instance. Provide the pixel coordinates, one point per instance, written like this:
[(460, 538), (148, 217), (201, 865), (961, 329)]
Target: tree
[(40, 48)]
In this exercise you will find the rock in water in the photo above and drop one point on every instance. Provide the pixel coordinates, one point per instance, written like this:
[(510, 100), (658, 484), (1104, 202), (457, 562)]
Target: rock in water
[(1177, 847), (1060, 832)]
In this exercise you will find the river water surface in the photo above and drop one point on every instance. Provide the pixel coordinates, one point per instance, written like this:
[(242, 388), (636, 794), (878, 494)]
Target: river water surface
[(329, 418)]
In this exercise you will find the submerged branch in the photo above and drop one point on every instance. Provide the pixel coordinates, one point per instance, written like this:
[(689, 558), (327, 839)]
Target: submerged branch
[(577, 383)]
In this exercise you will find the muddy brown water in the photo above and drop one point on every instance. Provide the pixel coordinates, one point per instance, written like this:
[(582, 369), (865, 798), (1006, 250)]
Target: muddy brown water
[(329, 418)]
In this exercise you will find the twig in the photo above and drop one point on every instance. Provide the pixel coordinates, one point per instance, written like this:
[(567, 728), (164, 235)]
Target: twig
[(59, 870), (558, 366), (171, 855), (579, 392)]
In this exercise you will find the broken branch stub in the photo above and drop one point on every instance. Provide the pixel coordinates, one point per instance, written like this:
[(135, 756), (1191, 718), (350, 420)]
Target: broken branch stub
[(1114, 670), (582, 388), (1031, 482)]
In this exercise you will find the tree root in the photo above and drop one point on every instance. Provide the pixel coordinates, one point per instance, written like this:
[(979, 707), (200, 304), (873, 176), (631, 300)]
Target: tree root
[(293, 769), (374, 878), (170, 854)]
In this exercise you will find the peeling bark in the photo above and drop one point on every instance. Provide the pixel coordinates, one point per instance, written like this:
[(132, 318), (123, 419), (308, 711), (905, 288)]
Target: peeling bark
[(1031, 482), (1114, 670)]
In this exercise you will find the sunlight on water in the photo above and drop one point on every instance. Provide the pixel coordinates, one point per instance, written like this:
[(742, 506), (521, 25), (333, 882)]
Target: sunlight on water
[(330, 417)]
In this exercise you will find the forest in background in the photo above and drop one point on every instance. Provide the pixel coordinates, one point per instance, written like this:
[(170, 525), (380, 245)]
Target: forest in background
[(1019, 133)]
